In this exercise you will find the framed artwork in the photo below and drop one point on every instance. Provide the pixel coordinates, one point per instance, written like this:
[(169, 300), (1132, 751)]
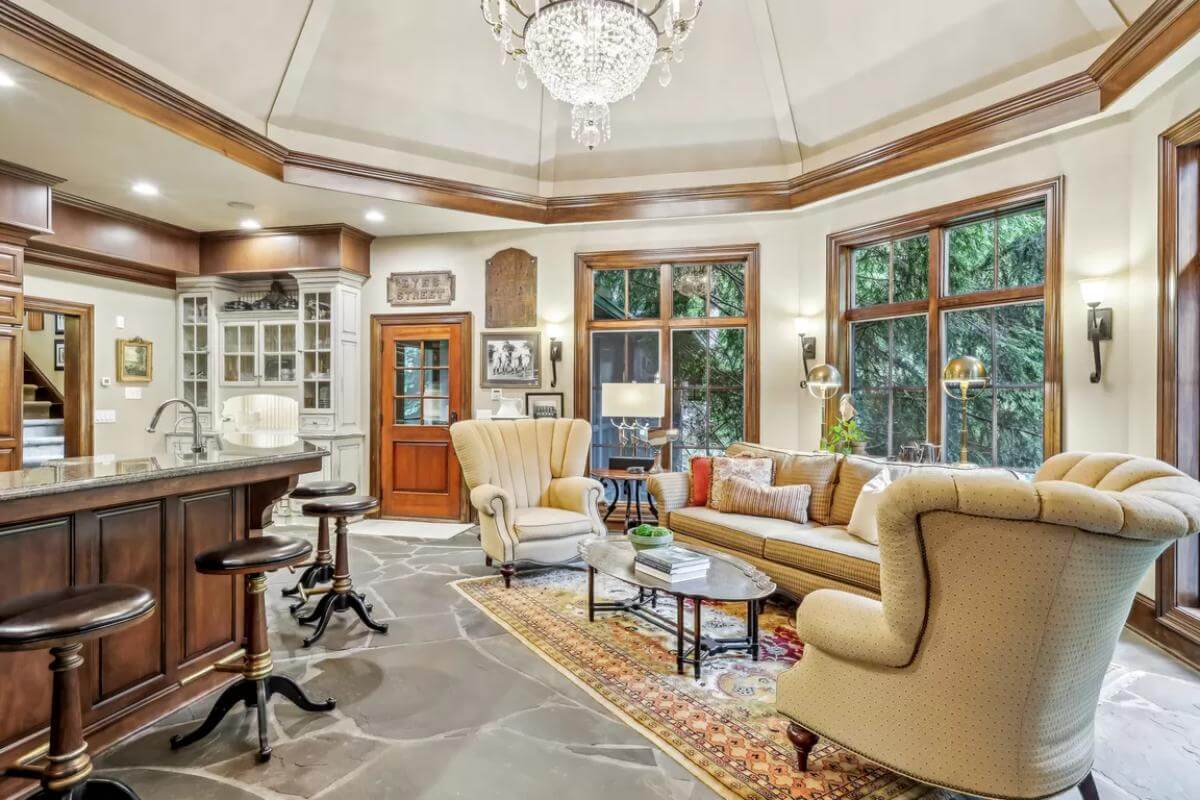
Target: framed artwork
[(60, 324), (544, 405), (510, 360), (135, 361), (60, 355), (421, 288)]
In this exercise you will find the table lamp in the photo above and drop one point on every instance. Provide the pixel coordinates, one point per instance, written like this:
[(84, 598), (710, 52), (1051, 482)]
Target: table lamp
[(626, 403), (962, 378), (823, 382)]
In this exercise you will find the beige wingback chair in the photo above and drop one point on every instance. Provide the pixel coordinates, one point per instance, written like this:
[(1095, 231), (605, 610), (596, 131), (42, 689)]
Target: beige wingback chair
[(527, 482), (980, 668)]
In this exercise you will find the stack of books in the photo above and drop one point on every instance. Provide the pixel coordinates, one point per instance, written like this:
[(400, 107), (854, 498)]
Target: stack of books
[(671, 564)]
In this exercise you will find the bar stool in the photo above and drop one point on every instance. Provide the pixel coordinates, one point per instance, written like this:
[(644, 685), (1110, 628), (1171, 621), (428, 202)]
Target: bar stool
[(253, 558), (341, 595), (61, 621), (321, 568)]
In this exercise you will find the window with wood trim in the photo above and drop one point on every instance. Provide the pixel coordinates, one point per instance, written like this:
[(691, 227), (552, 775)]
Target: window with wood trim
[(687, 318), (979, 277)]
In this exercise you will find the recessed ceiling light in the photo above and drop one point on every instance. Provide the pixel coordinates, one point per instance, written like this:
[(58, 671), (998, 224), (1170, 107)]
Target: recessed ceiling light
[(374, 216), (145, 188), (6, 80), (250, 224)]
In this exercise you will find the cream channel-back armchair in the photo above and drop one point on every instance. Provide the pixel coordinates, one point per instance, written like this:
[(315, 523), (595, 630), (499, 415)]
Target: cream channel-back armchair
[(980, 668), (527, 482)]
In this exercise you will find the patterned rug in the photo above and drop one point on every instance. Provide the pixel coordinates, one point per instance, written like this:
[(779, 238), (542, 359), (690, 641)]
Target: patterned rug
[(723, 728)]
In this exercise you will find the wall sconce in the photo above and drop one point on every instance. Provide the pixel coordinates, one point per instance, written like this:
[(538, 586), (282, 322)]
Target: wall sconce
[(1099, 321), (808, 349), (554, 331)]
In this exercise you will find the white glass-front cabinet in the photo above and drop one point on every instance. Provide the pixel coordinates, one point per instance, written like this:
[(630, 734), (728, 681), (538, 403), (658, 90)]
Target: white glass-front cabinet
[(239, 353), (194, 326), (278, 365), (317, 319), (258, 353)]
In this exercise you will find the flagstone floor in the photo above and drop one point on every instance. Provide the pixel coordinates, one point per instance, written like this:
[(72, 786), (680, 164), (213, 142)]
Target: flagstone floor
[(449, 705)]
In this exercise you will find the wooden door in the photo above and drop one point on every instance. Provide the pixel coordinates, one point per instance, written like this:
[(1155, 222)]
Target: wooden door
[(423, 389)]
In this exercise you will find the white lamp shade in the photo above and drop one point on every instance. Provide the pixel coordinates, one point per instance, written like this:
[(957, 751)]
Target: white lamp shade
[(633, 400), (1094, 290)]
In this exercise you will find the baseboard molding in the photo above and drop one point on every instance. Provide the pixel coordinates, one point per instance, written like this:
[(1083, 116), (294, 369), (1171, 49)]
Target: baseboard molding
[(1143, 620)]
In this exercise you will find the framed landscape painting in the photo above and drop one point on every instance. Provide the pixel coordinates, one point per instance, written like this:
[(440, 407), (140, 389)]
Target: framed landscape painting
[(510, 359), (135, 361)]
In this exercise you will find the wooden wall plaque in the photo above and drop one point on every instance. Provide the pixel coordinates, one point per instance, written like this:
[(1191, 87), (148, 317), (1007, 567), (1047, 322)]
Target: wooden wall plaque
[(510, 290)]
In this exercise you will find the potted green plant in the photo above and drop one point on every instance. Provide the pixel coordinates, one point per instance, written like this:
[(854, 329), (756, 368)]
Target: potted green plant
[(646, 536), (845, 436)]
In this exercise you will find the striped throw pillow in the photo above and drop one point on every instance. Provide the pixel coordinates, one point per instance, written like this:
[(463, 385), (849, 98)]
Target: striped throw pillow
[(777, 502), (755, 470)]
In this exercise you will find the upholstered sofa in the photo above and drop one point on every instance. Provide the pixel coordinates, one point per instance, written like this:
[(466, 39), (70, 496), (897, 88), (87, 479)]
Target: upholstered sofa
[(980, 668), (526, 479), (799, 557)]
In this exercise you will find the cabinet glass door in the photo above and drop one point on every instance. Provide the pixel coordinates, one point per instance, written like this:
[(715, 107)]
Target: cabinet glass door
[(279, 352), (194, 332), (317, 351), (238, 353)]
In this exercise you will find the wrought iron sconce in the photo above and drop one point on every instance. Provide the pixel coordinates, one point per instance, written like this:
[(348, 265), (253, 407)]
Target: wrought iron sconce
[(554, 331), (808, 349), (1099, 321)]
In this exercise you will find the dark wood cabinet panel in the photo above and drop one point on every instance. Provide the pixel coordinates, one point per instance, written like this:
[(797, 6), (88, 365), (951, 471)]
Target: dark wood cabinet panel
[(38, 558), (11, 378), (210, 601), (130, 546)]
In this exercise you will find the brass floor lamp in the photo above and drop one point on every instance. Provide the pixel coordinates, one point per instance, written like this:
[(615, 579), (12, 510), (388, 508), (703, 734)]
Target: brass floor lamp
[(962, 379)]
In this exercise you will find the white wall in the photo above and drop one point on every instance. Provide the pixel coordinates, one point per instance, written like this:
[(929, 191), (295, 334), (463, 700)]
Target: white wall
[(150, 313)]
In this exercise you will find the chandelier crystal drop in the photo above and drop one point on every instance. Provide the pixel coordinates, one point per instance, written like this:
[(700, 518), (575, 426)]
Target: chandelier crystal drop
[(591, 53)]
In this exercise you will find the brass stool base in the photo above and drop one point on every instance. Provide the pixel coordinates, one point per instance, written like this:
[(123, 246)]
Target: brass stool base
[(255, 694), (90, 789)]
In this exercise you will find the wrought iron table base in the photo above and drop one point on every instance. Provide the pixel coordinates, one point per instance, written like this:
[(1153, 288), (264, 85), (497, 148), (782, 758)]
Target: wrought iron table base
[(691, 647), (633, 500)]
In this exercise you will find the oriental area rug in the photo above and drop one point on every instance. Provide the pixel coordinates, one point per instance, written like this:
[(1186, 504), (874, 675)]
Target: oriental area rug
[(722, 728)]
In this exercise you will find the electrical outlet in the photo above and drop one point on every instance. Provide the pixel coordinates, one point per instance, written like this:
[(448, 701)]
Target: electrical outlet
[(120, 322), (105, 416)]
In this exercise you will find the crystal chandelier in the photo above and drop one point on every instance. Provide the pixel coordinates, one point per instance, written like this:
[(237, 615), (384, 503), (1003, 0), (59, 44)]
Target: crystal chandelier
[(591, 53)]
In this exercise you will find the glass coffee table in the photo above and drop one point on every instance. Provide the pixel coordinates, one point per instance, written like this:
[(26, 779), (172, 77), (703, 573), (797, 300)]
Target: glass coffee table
[(729, 580)]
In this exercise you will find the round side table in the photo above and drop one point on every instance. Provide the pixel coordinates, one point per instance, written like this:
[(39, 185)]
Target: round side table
[(630, 484)]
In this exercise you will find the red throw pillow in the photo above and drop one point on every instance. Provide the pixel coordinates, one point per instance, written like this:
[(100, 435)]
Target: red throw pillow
[(701, 480)]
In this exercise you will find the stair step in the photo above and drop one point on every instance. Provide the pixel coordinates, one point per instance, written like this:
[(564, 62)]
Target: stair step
[(44, 427), (30, 391), (37, 409), (44, 441)]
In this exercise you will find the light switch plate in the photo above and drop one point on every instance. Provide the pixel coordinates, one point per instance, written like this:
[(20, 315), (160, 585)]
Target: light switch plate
[(133, 393), (120, 321), (106, 416), (106, 382)]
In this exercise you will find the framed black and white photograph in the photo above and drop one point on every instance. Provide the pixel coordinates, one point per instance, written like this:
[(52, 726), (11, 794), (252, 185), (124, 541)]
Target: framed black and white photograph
[(60, 324), (544, 405), (60, 354), (510, 359)]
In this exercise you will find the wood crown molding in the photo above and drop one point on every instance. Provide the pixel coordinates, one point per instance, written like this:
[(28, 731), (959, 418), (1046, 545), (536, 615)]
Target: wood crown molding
[(28, 174), (330, 227), (1158, 32)]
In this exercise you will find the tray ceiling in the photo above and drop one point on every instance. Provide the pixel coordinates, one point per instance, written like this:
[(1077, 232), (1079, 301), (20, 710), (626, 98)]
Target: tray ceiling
[(769, 89)]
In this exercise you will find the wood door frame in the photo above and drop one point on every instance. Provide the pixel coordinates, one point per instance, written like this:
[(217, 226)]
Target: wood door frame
[(1169, 624), (464, 319), (78, 432)]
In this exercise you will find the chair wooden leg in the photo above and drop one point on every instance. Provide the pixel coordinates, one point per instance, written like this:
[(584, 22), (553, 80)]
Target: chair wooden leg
[(804, 741), (1087, 788), (507, 571)]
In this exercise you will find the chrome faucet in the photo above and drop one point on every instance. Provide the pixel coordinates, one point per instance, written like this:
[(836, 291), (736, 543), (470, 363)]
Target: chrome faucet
[(197, 440)]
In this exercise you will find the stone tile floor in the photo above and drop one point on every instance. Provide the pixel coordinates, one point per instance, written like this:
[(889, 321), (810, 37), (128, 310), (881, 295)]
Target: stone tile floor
[(448, 705)]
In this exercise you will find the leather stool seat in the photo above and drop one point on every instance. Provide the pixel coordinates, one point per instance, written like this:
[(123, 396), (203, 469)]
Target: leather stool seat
[(340, 506), (322, 489), (258, 554), (53, 618)]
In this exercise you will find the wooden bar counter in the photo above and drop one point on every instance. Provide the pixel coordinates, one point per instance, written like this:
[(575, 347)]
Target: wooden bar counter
[(139, 521)]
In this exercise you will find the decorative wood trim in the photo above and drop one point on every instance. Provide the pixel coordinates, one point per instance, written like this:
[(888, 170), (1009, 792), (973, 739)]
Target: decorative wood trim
[(114, 213), (77, 419), (625, 259), (1158, 32), (52, 255), (1177, 585), (839, 314), (1143, 620), (464, 319), (327, 227), (29, 174)]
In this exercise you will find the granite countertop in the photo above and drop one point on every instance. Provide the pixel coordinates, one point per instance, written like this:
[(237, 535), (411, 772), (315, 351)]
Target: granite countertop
[(74, 474)]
